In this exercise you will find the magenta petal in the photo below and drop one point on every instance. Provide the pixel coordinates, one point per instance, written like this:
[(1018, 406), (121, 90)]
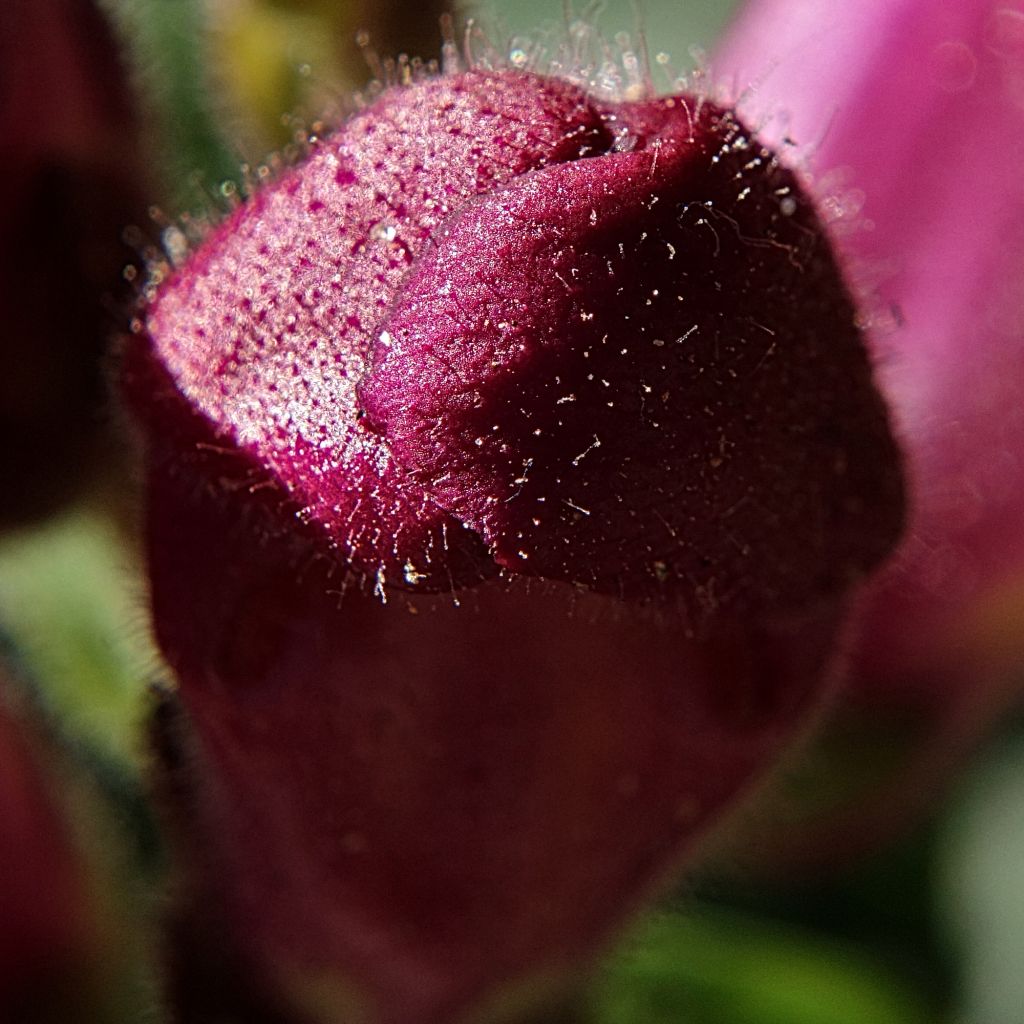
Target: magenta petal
[(921, 104), (566, 441)]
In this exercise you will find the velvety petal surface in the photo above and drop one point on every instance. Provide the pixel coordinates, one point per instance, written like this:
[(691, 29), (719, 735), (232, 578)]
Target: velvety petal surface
[(526, 324), (600, 365)]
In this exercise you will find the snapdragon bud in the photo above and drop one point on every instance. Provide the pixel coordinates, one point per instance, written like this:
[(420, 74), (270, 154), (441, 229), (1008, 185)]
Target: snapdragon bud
[(510, 461)]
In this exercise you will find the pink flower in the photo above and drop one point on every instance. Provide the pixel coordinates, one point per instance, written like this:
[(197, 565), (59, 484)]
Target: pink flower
[(510, 463), (920, 105)]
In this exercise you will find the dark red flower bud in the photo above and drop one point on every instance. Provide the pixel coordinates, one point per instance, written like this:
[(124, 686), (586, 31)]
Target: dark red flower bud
[(496, 328), (69, 152)]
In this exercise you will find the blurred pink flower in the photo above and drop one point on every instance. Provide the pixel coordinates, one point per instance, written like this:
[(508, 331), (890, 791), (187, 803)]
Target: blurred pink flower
[(908, 116)]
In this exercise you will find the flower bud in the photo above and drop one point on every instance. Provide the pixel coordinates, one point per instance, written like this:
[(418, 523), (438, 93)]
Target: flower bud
[(68, 146), (510, 463)]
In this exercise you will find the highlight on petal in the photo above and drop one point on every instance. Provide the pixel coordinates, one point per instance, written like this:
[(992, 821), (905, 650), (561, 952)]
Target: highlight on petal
[(920, 107), (511, 462)]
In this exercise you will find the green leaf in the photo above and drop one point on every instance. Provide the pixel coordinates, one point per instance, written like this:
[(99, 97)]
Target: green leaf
[(718, 967)]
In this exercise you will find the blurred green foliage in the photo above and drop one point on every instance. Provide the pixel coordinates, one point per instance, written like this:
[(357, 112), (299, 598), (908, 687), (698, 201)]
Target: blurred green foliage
[(715, 966), (73, 609), (682, 29)]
